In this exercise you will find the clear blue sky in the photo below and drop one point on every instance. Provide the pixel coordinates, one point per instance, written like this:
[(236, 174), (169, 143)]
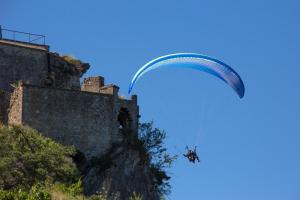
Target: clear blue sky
[(249, 147)]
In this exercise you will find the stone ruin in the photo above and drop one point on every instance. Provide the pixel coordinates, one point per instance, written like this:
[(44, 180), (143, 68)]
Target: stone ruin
[(42, 89)]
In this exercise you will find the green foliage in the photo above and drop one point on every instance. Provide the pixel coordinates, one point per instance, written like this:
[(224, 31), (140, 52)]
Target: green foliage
[(57, 191), (62, 191), (151, 144), (35, 193), (27, 158), (33, 167), (153, 141), (135, 196), (72, 189)]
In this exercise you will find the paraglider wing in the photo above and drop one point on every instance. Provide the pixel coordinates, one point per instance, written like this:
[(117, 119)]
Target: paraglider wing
[(194, 61)]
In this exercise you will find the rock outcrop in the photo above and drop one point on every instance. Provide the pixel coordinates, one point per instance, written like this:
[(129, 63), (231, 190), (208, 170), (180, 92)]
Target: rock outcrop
[(120, 172)]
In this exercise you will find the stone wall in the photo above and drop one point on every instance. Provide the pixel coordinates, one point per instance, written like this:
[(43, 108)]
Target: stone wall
[(87, 120), (65, 71), (4, 102), (92, 84), (37, 67), (21, 63)]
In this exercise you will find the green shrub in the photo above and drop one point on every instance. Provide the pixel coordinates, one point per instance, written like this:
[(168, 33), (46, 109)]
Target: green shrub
[(135, 196), (71, 190), (35, 193), (151, 146), (27, 158), (33, 167)]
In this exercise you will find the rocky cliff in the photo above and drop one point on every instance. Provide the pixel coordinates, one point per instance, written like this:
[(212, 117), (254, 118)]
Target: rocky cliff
[(120, 172)]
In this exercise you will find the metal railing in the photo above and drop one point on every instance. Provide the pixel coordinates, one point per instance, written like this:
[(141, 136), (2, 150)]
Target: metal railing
[(22, 36)]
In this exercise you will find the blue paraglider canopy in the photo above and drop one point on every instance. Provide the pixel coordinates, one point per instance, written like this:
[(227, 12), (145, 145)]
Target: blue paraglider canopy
[(194, 61)]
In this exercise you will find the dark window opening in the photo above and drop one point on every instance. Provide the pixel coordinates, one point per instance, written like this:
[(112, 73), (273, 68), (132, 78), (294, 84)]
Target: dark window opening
[(124, 119)]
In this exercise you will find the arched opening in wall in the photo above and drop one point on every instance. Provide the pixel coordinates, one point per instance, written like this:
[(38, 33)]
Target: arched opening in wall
[(124, 119), (80, 160)]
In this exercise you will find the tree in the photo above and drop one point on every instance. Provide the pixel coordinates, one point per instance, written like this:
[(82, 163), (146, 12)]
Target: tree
[(27, 158), (152, 139)]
